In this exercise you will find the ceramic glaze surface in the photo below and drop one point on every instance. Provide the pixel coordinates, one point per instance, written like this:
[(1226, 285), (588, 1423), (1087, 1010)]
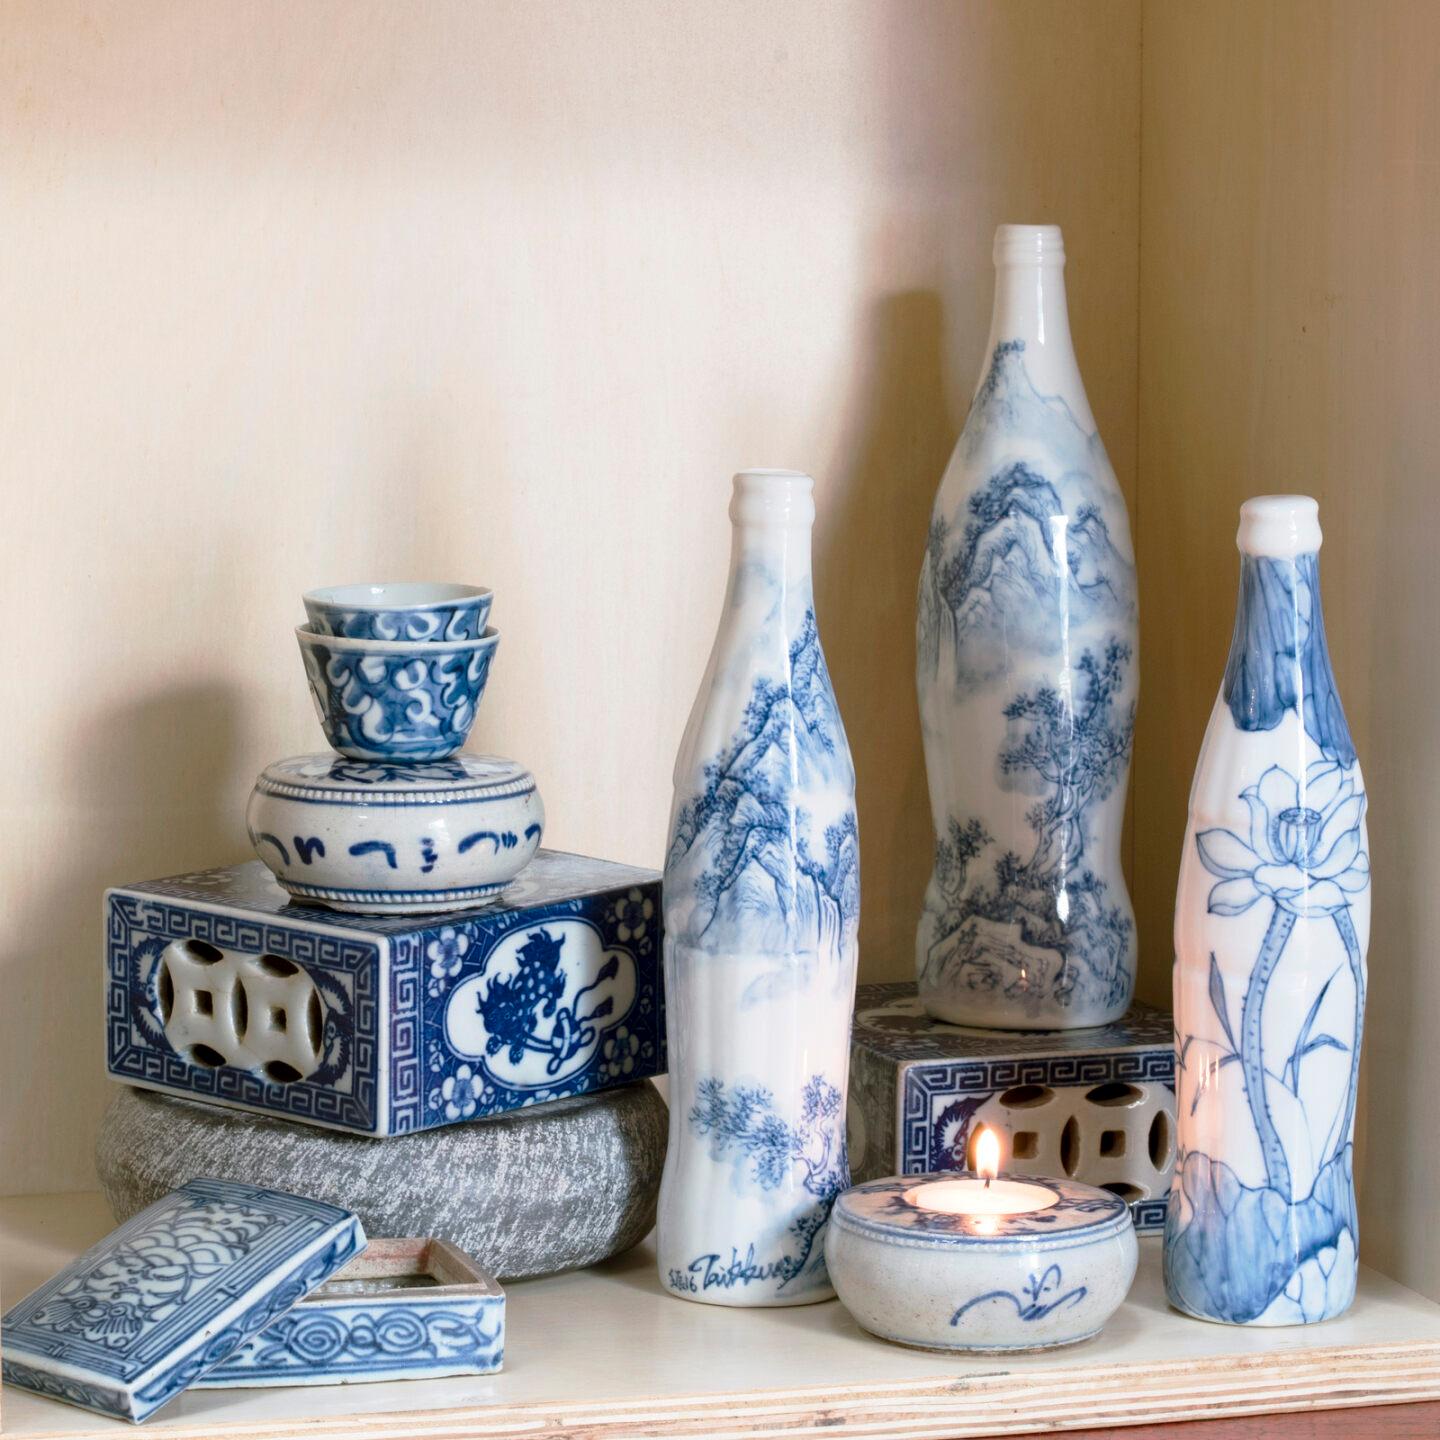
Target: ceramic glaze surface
[(1026, 666), (441, 1316), (762, 899), (171, 1293), (1272, 920), (943, 1281), (405, 700), (383, 838), (552, 990), (405, 611)]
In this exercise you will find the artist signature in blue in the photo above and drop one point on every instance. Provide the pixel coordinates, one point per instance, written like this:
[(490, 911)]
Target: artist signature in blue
[(1041, 1297), (709, 1272)]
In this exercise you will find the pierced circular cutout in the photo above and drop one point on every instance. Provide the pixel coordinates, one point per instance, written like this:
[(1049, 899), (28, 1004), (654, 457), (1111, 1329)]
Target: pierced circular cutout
[(280, 1073), (165, 992), (1127, 1192), (201, 953), (1070, 1146), (239, 1009), (1117, 1093), (1160, 1140), (315, 1024), (275, 965), (205, 1057), (1027, 1097)]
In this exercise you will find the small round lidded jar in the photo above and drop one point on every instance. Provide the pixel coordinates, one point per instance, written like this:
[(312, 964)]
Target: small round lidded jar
[(949, 1261)]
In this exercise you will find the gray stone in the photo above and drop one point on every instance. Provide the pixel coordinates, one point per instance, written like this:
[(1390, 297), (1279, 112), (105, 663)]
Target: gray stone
[(560, 1185)]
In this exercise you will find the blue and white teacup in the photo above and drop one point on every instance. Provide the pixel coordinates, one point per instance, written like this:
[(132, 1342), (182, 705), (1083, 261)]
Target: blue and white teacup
[(396, 699), (402, 610)]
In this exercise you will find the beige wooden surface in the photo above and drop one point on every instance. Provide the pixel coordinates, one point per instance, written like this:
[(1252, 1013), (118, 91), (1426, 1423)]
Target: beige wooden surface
[(1290, 340), (607, 1353), (501, 291)]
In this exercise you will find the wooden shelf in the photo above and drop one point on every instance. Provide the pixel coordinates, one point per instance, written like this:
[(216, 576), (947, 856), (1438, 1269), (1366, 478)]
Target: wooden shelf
[(605, 1353)]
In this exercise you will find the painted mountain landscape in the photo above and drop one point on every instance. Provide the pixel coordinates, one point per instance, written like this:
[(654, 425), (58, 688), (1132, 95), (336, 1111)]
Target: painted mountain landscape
[(1003, 573), (753, 849)]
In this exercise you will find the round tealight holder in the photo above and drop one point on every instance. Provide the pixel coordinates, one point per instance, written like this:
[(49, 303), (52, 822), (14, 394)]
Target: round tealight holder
[(945, 1262)]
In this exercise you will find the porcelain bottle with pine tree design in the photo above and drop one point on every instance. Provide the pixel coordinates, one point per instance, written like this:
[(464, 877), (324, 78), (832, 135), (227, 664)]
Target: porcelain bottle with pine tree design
[(1272, 922), (1026, 667), (761, 908)]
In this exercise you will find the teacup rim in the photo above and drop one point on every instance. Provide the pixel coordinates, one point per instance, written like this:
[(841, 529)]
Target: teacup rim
[(308, 635), (324, 596)]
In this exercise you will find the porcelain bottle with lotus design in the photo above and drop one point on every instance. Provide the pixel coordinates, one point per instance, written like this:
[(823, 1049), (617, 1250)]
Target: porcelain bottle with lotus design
[(1026, 667), (1272, 921), (761, 905)]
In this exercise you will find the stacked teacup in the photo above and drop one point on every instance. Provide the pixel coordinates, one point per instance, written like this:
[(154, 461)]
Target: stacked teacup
[(397, 821)]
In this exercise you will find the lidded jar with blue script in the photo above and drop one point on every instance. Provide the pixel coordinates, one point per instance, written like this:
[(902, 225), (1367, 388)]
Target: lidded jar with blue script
[(762, 908), (1026, 667), (1272, 920)]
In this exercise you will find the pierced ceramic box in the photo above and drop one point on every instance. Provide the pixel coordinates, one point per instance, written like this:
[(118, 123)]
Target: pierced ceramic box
[(166, 1297), (405, 1310), (220, 987), (1093, 1105)]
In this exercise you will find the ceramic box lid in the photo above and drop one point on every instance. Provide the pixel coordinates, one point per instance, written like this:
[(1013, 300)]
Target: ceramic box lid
[(135, 1319)]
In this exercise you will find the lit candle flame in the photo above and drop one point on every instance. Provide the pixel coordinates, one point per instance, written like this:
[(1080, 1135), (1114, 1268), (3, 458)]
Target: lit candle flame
[(987, 1154)]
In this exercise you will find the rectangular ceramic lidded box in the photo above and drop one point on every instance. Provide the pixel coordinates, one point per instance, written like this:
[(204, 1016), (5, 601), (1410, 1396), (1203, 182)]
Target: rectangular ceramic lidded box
[(405, 1310), (218, 986), (1097, 1105), (139, 1316)]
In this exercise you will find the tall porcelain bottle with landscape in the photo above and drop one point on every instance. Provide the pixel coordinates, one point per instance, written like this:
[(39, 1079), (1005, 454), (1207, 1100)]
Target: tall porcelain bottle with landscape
[(1272, 920), (1026, 666), (762, 902)]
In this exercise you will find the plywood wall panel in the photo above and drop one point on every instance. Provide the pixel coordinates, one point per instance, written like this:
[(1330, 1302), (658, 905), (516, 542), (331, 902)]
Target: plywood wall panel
[(1290, 340)]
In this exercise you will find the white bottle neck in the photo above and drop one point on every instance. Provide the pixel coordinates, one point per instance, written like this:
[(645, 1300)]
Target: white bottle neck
[(1030, 306), (772, 513)]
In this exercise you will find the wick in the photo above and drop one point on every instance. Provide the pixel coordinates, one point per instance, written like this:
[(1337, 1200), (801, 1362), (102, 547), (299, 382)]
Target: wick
[(988, 1179)]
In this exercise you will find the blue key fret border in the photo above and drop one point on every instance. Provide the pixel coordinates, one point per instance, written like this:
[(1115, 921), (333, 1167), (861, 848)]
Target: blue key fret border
[(924, 1087), (357, 1099), (350, 1100)]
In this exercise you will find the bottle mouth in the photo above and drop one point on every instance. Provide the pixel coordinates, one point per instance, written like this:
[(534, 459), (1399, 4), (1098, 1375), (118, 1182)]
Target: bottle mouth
[(1280, 526), (1029, 245), (773, 497)]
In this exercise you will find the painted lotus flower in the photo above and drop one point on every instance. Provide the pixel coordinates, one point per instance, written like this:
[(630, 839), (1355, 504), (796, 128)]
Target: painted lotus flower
[(1303, 849)]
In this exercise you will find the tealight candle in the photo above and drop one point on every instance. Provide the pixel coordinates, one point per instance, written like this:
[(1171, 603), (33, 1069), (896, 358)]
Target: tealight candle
[(983, 1193), (981, 1262)]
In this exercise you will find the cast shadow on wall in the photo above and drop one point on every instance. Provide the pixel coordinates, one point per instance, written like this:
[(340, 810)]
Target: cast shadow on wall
[(869, 542), (147, 785)]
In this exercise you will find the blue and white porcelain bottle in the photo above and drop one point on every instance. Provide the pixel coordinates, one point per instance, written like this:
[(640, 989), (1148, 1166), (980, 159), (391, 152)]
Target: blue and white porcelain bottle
[(761, 905), (1272, 920), (1026, 643)]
